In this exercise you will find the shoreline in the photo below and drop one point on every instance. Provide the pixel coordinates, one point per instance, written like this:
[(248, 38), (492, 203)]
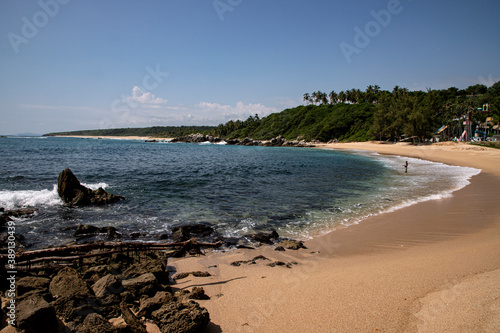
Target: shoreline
[(111, 137), (427, 267), (386, 273)]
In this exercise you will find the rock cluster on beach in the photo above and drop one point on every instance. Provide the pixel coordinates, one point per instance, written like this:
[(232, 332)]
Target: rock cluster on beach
[(115, 294), (277, 141), (197, 138), (119, 291), (75, 194)]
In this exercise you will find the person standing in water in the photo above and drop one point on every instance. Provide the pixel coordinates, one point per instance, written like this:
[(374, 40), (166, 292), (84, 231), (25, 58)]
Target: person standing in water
[(406, 167)]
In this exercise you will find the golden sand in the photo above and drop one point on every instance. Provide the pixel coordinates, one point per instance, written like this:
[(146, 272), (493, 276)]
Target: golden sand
[(430, 267)]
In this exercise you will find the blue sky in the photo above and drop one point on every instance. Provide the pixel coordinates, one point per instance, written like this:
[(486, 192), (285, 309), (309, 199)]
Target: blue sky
[(73, 64)]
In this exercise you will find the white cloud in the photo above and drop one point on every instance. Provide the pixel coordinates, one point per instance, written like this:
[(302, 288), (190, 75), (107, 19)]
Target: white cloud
[(145, 99), (238, 112), (142, 110)]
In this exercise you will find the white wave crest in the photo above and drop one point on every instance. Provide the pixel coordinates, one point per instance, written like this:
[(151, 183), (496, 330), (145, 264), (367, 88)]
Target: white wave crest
[(36, 198), (95, 186), (29, 198)]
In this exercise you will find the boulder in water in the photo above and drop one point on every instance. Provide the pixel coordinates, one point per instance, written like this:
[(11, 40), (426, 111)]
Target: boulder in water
[(75, 194)]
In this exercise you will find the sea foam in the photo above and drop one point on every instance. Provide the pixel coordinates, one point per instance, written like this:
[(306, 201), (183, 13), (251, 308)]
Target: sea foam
[(36, 198), (29, 198)]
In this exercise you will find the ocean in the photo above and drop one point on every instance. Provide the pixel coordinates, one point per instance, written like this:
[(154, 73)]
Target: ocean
[(300, 192)]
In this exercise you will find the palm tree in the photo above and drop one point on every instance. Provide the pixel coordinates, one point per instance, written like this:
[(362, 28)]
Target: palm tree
[(315, 97), (333, 97), (342, 97), (307, 98), (323, 99)]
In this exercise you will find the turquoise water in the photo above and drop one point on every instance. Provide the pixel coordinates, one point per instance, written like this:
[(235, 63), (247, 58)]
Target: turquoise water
[(237, 189)]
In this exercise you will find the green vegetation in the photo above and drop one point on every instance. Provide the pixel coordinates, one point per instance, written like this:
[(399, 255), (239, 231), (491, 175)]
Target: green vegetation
[(157, 131), (311, 122), (353, 115)]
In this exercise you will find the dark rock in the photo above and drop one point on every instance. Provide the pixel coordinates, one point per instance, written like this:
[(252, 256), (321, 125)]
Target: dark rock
[(4, 240), (142, 285), (24, 212), (249, 262), (75, 194), (136, 235), (181, 317), (94, 273), (88, 230), (30, 283), (186, 232), (84, 229), (198, 293), (246, 247), (109, 284), (181, 276), (149, 305), (292, 244), (276, 263), (95, 323), (238, 263), (155, 266), (197, 274), (68, 282), (5, 215), (279, 248), (264, 237), (35, 315), (72, 308)]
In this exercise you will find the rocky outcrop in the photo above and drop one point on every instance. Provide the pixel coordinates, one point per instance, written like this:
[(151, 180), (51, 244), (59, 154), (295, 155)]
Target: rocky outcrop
[(292, 244), (274, 142), (69, 283), (84, 230), (188, 231), (35, 315), (94, 323), (75, 194), (197, 138), (278, 141), (62, 301), (264, 237), (142, 285), (108, 285), (157, 267), (5, 215), (179, 317), (31, 283), (148, 305)]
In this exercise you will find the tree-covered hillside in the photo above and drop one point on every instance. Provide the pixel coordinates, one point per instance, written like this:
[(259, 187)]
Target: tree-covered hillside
[(354, 115), (311, 122)]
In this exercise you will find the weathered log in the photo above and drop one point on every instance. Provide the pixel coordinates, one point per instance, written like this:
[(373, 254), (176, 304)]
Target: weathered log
[(80, 252), (66, 250)]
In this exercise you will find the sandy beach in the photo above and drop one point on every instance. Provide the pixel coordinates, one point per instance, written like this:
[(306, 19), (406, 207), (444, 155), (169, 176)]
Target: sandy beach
[(430, 267)]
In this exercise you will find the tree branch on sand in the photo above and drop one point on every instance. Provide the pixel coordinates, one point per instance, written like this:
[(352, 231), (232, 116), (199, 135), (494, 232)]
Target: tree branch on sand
[(79, 252)]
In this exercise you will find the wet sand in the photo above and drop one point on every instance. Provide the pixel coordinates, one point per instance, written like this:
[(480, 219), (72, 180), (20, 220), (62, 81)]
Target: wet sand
[(430, 267)]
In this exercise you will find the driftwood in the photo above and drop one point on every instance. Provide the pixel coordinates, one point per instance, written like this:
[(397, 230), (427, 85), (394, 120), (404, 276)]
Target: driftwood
[(79, 252), (135, 324)]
